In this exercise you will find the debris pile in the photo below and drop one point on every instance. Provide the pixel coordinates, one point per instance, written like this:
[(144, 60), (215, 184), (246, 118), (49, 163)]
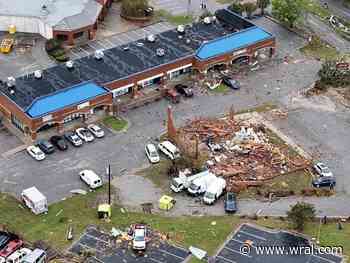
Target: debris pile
[(241, 152)]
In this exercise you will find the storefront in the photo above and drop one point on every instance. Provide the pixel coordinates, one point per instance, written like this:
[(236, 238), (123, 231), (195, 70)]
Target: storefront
[(151, 82), (171, 74)]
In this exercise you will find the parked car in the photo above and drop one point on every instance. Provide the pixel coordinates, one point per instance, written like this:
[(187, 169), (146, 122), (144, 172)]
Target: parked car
[(73, 138), (91, 178), (59, 142), (96, 130), (230, 202), (233, 84), (152, 153), (139, 237), (45, 146), (184, 90), (37, 256), (172, 95), (36, 153), (169, 150), (322, 170), (18, 256), (11, 247), (85, 135), (323, 181)]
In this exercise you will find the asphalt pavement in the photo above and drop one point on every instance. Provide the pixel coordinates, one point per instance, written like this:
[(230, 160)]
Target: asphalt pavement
[(276, 83)]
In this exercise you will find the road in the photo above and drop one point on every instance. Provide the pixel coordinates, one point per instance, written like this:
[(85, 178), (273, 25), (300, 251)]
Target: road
[(277, 83), (337, 8)]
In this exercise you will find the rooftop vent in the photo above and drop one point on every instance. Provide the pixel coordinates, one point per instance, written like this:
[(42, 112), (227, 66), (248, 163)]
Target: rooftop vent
[(180, 37), (38, 74), (126, 48), (70, 64), (139, 44), (99, 54), (160, 52), (188, 41), (207, 20), (181, 29), (151, 38), (11, 82)]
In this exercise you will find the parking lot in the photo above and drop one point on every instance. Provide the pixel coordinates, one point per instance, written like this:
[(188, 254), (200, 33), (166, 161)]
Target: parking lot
[(107, 252), (118, 39), (233, 249)]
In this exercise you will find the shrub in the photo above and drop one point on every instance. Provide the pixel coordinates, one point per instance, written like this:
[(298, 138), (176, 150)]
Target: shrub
[(301, 213), (134, 8), (52, 44), (236, 7)]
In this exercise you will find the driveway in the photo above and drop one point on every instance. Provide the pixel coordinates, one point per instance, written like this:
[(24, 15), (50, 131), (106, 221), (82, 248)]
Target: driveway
[(275, 83)]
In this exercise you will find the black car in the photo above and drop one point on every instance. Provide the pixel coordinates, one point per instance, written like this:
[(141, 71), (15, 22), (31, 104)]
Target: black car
[(230, 202), (4, 239), (324, 181), (46, 146), (184, 90), (73, 138), (59, 142), (233, 84)]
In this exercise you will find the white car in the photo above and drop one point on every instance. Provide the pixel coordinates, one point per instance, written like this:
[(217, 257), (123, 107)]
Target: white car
[(322, 170), (169, 150), (139, 237), (91, 178), (85, 135), (36, 153), (152, 153), (96, 130)]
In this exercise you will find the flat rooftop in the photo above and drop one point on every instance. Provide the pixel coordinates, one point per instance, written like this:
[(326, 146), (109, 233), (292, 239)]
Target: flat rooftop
[(52, 12), (126, 60), (257, 236)]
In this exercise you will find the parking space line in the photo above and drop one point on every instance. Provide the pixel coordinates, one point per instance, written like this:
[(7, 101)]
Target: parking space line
[(92, 46), (74, 54), (85, 51), (88, 247), (238, 252), (96, 238), (226, 259), (252, 235), (171, 254), (128, 37), (110, 43)]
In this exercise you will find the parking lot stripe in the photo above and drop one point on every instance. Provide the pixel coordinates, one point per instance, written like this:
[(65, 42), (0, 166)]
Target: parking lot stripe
[(226, 259), (238, 252), (86, 52), (252, 235), (97, 238), (171, 254), (109, 43)]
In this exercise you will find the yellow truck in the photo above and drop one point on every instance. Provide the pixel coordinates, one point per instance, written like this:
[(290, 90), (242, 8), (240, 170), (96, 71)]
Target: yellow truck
[(6, 45)]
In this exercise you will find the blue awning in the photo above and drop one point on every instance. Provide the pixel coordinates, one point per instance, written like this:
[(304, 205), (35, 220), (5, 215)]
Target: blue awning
[(232, 42), (63, 98)]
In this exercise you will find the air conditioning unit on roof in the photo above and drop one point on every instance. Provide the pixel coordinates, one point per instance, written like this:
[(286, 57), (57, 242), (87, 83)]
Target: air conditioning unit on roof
[(181, 28), (99, 54), (207, 20), (160, 52), (151, 38), (38, 74), (70, 64), (11, 82)]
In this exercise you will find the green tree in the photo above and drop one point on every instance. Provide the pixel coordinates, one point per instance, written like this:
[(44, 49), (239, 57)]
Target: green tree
[(236, 7), (135, 8), (249, 8), (301, 213), (287, 11), (331, 75), (262, 4)]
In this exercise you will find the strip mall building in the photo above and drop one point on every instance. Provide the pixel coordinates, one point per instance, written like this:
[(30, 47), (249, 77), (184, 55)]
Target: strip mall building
[(59, 94)]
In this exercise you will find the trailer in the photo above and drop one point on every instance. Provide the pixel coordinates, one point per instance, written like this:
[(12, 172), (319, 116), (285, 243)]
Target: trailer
[(184, 180), (6, 45), (214, 191), (34, 200)]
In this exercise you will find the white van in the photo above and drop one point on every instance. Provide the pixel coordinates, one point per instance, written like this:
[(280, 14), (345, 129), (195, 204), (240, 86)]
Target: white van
[(90, 178), (214, 191), (37, 256), (35, 200), (183, 182), (169, 150), (18, 256), (200, 185)]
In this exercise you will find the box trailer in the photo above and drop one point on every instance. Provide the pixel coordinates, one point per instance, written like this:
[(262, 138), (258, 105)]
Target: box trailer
[(34, 200), (214, 191)]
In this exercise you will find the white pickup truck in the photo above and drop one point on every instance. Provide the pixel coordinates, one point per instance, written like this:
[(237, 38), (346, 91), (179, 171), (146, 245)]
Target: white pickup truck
[(200, 185), (183, 182), (214, 191)]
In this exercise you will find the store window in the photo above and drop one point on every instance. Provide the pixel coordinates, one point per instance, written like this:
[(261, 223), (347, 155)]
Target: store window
[(79, 34), (17, 123)]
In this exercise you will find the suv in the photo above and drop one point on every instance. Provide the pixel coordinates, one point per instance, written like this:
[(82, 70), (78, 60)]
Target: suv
[(73, 138), (231, 83), (46, 146), (322, 170), (139, 237), (184, 90), (230, 202), (324, 181), (59, 142)]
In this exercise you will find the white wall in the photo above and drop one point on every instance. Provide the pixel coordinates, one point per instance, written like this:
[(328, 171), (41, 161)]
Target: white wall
[(26, 25)]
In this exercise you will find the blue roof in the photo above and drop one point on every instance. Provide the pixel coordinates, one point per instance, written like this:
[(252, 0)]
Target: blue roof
[(232, 42), (65, 97)]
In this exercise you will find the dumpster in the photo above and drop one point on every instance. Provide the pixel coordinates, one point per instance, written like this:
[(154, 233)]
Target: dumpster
[(166, 202)]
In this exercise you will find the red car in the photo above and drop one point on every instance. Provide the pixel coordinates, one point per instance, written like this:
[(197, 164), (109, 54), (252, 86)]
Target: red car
[(11, 247)]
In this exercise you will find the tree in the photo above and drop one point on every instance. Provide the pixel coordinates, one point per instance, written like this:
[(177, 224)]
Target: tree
[(134, 8), (301, 213), (249, 8), (331, 75), (262, 4), (287, 11), (236, 7)]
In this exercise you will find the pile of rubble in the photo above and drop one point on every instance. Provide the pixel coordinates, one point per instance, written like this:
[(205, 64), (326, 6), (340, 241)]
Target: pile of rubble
[(242, 153)]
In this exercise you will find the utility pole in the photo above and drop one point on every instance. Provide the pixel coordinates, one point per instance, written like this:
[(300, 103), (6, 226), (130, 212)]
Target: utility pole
[(109, 183)]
